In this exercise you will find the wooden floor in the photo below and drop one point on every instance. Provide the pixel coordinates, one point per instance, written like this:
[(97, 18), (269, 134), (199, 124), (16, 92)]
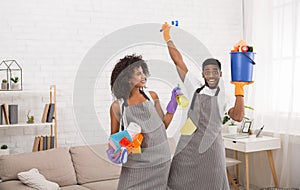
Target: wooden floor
[(243, 188)]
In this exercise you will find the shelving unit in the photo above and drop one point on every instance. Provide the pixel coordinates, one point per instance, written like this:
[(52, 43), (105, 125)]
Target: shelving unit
[(26, 125), (52, 126)]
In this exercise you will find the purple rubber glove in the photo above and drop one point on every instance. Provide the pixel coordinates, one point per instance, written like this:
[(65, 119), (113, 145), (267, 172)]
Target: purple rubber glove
[(113, 157), (172, 105)]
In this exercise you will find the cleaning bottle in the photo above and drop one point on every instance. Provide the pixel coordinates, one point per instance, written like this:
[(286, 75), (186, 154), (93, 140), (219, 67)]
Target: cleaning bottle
[(182, 100)]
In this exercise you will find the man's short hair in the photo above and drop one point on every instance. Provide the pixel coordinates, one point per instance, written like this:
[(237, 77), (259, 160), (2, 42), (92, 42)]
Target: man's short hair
[(211, 61)]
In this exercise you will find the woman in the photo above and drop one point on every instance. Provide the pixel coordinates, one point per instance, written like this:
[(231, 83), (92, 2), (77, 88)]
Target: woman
[(148, 170)]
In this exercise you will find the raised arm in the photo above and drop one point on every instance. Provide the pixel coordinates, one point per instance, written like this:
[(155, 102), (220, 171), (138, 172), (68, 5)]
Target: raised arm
[(174, 53), (166, 118), (237, 112)]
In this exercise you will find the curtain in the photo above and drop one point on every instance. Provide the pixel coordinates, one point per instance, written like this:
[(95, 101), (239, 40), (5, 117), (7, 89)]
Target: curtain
[(273, 28)]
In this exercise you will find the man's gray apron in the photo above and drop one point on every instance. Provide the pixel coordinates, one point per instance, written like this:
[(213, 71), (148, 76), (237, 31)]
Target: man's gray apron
[(199, 160), (150, 169)]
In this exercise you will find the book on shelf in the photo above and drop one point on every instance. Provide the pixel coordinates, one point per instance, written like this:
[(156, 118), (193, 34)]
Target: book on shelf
[(36, 143), (52, 142), (13, 114), (48, 142), (44, 116), (50, 114), (1, 121), (43, 143), (5, 113)]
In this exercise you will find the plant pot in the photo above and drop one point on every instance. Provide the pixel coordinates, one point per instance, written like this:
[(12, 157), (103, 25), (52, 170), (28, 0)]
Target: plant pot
[(15, 86), (232, 129), (4, 86), (30, 121), (4, 152)]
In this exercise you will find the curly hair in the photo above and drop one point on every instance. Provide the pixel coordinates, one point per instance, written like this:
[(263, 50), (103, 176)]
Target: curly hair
[(123, 71)]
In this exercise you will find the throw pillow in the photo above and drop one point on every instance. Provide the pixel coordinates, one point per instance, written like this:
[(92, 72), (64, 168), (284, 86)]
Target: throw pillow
[(33, 178)]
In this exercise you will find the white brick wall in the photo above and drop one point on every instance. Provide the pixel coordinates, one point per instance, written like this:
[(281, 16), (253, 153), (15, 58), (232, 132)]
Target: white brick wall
[(50, 39)]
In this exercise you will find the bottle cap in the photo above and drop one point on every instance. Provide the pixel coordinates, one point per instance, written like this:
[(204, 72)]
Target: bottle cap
[(178, 86)]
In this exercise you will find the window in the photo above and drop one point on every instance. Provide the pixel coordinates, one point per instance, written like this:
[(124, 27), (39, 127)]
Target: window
[(286, 55)]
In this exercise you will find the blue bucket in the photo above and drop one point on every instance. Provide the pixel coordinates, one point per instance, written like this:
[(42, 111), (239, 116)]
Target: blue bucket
[(242, 66)]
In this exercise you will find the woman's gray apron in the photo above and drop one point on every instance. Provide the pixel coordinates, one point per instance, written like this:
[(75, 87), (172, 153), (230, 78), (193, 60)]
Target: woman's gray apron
[(199, 160), (150, 169)]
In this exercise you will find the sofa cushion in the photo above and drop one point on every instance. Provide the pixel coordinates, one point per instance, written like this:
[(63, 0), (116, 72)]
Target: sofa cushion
[(14, 184), (108, 184), (55, 164), (75, 187), (91, 164)]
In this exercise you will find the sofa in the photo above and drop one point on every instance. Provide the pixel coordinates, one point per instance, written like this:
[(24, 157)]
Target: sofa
[(74, 168)]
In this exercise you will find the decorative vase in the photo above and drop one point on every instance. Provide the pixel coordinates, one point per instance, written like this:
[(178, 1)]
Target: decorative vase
[(4, 86), (14, 86), (4, 152), (232, 129)]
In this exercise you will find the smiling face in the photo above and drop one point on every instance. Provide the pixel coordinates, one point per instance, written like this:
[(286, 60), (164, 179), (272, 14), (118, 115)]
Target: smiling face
[(138, 78), (211, 74)]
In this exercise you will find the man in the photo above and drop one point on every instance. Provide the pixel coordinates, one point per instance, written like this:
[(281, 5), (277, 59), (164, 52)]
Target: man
[(199, 160)]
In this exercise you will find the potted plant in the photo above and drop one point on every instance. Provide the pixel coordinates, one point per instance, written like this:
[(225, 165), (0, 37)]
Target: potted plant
[(30, 119), (4, 150), (233, 125), (230, 124), (4, 84), (14, 83), (226, 118)]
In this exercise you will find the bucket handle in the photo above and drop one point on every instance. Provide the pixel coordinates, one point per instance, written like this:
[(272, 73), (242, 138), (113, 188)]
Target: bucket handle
[(249, 59)]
